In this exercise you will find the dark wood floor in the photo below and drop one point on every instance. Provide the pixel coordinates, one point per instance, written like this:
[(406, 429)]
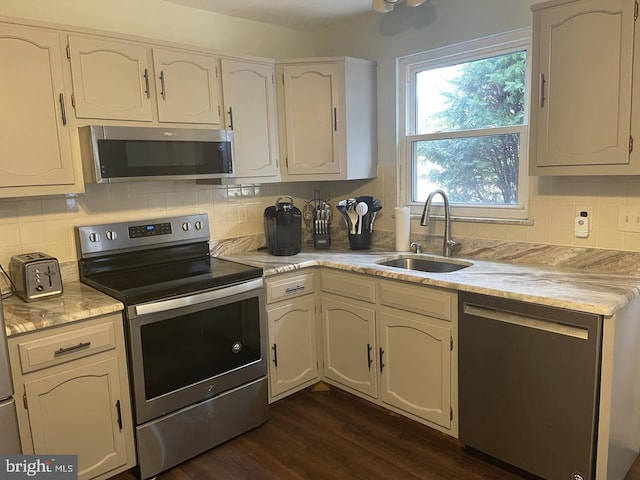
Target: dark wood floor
[(328, 434)]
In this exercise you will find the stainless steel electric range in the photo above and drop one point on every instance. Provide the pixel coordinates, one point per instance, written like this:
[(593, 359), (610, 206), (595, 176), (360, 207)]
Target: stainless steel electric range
[(196, 334)]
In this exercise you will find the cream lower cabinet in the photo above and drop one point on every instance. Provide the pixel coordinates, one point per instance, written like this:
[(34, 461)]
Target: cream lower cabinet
[(349, 339), (291, 318), (392, 343), (348, 312), (415, 366), (72, 395), (35, 145)]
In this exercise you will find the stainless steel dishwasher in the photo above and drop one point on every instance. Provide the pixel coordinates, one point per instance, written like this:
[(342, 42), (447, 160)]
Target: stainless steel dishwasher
[(529, 379)]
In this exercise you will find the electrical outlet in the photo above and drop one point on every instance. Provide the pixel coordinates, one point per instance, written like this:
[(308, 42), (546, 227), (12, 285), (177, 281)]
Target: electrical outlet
[(243, 214), (629, 219)]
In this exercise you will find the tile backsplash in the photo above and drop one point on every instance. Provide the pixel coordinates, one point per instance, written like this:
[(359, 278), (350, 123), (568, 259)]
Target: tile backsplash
[(46, 224)]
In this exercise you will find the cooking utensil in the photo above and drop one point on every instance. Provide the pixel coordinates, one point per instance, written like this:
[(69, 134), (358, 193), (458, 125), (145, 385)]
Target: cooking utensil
[(375, 208), (342, 208), (353, 216), (361, 209)]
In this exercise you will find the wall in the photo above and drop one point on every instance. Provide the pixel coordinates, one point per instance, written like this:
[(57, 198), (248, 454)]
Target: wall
[(553, 201), (168, 22)]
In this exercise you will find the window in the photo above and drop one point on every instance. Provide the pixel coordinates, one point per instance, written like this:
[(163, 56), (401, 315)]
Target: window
[(464, 126)]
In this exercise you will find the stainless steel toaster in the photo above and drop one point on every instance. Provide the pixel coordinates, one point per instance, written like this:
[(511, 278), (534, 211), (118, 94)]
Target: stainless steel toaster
[(35, 276)]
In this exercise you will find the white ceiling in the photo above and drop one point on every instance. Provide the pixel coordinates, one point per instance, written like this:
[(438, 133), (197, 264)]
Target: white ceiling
[(299, 14)]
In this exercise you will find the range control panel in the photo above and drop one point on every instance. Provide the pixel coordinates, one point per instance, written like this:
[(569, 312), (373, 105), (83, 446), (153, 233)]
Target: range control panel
[(150, 230), (97, 239)]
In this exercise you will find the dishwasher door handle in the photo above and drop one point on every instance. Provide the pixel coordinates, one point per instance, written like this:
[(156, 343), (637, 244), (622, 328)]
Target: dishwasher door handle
[(525, 321)]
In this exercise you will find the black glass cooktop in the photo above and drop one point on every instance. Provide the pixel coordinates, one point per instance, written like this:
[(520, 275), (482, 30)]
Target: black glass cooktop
[(141, 277)]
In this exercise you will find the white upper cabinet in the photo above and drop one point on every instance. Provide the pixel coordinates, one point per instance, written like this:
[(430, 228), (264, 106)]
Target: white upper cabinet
[(111, 80), (188, 88), (329, 110), (35, 147), (581, 108), (114, 80), (249, 94)]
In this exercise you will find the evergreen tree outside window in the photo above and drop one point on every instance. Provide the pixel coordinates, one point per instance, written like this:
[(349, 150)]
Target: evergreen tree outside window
[(464, 126)]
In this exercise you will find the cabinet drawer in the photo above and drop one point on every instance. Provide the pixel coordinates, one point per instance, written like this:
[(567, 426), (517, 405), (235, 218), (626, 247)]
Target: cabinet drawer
[(290, 286), (349, 285), (418, 299), (64, 347)]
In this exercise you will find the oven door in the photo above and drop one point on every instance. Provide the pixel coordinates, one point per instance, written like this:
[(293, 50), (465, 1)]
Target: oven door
[(189, 349)]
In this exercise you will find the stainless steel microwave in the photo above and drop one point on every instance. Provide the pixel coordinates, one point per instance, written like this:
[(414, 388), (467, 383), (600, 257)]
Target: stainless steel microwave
[(126, 154)]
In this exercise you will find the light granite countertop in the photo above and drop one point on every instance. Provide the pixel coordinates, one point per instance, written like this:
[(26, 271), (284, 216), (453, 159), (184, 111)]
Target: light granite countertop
[(78, 302), (574, 289), (582, 289)]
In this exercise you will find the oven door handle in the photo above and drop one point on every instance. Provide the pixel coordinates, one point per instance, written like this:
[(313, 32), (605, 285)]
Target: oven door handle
[(164, 305)]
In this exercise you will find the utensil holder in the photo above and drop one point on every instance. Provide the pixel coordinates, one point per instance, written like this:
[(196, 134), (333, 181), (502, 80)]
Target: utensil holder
[(360, 241)]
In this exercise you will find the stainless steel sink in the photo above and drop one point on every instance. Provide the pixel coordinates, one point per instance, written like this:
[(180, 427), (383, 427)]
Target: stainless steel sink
[(423, 265)]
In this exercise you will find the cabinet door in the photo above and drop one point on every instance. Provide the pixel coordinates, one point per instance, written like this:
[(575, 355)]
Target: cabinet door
[(110, 79), (78, 411), (312, 100), (35, 147), (415, 367), (188, 89), (292, 342), (581, 109), (349, 345), (250, 103)]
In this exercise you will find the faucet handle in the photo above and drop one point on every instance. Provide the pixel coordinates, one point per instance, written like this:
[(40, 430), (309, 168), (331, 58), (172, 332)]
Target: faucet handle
[(416, 246)]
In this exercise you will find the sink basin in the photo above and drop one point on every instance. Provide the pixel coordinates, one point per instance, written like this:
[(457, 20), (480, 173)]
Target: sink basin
[(423, 265)]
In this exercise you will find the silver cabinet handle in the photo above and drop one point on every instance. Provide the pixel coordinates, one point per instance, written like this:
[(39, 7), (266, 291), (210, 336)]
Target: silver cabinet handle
[(294, 289), (146, 83), (230, 118), (63, 111), (541, 90), (119, 412), (75, 348), (335, 119), (162, 90)]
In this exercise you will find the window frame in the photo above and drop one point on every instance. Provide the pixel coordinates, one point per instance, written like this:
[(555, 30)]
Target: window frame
[(408, 67)]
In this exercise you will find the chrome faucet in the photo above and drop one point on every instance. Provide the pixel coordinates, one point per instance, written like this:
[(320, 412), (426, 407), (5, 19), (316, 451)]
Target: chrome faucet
[(448, 242)]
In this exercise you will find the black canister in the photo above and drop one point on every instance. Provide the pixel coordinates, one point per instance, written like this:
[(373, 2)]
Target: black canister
[(283, 227)]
